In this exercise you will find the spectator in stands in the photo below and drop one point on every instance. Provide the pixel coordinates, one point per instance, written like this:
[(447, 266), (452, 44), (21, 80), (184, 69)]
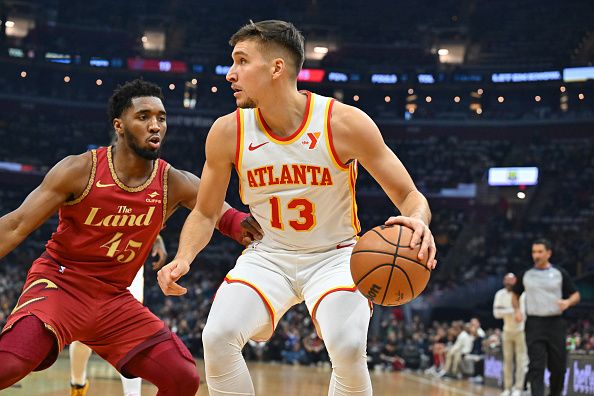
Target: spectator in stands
[(292, 352), (476, 324), (461, 347), (472, 362), (314, 349), (514, 343), (493, 340), (389, 357), (438, 350), (410, 353)]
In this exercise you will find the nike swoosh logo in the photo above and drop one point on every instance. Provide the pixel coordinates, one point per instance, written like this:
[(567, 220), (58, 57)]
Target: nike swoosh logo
[(101, 185), (344, 246), (252, 148)]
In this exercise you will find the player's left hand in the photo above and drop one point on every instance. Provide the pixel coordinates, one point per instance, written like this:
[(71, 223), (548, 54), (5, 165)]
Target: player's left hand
[(250, 231), (170, 274), (563, 304), (421, 234), (159, 252)]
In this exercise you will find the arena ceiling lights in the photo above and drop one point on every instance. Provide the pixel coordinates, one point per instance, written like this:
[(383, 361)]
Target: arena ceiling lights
[(452, 53), (18, 26), (318, 49), (153, 41)]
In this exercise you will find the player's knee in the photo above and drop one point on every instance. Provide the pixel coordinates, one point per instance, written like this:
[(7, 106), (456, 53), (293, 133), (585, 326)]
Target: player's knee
[(179, 378), (346, 348), (13, 369), (186, 379), (216, 338)]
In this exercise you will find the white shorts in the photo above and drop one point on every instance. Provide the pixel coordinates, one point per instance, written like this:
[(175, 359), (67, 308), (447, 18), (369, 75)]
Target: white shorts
[(284, 278), (137, 286)]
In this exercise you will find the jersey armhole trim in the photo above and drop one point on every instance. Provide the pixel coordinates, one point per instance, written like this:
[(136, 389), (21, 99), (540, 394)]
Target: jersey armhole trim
[(353, 172), (239, 140), (239, 147), (331, 150), (89, 183)]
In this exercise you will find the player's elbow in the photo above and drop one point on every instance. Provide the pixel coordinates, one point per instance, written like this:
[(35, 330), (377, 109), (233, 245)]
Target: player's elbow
[(16, 227)]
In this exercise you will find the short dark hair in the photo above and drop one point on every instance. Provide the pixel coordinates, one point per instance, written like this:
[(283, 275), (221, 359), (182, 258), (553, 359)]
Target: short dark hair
[(281, 33), (542, 241), (123, 95)]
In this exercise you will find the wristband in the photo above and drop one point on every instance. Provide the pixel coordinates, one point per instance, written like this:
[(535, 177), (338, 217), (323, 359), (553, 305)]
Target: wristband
[(230, 224)]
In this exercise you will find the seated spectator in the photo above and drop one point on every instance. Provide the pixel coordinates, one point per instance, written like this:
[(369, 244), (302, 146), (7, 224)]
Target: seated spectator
[(438, 349), (292, 351), (454, 354), (476, 323), (389, 357), (411, 353), (315, 350), (295, 355), (472, 362)]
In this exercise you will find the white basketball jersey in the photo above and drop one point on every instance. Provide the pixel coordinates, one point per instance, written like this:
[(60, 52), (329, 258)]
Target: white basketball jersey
[(296, 187)]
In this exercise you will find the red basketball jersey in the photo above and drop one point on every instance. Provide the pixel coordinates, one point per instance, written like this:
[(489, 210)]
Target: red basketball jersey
[(108, 231)]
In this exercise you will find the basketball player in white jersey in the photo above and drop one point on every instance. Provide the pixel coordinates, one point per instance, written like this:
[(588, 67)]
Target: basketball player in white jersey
[(80, 353), (296, 154)]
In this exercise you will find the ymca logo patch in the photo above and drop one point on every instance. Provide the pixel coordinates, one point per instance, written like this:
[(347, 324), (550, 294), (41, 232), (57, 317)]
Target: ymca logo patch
[(311, 140)]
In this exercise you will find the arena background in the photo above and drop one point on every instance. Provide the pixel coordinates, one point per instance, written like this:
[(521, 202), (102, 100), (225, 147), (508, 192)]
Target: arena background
[(457, 88)]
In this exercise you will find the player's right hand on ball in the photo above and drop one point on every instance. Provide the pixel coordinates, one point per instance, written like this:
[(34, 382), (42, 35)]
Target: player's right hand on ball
[(421, 235), (170, 274)]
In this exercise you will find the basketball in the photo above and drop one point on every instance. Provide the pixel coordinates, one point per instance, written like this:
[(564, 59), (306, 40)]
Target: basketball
[(386, 269)]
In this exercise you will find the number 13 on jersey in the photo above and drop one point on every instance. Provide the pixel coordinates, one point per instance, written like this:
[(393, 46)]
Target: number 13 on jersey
[(306, 219)]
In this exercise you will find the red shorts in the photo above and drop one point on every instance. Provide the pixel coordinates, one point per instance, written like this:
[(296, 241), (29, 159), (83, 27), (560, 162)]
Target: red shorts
[(81, 308)]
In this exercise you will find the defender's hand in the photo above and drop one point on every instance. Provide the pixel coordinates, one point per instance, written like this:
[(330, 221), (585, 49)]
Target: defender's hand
[(250, 231), (159, 253), (170, 274)]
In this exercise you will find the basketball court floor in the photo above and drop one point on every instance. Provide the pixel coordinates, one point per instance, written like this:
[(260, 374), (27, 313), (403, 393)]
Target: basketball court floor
[(269, 380)]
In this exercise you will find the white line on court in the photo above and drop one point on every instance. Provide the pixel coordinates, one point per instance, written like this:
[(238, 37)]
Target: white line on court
[(439, 384)]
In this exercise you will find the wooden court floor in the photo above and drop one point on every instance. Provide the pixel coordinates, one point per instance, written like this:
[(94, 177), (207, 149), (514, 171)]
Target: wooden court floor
[(269, 380)]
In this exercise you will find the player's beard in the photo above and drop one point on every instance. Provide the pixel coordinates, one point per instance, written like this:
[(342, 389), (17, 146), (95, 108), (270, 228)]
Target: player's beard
[(146, 153), (248, 103)]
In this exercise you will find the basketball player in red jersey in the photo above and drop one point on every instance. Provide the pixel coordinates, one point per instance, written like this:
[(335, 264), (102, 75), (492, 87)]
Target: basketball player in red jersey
[(296, 155), (112, 203)]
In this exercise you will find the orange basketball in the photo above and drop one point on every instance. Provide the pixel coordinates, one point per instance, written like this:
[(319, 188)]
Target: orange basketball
[(384, 267)]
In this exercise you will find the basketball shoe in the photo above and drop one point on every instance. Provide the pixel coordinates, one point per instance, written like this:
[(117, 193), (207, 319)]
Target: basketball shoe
[(79, 390)]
